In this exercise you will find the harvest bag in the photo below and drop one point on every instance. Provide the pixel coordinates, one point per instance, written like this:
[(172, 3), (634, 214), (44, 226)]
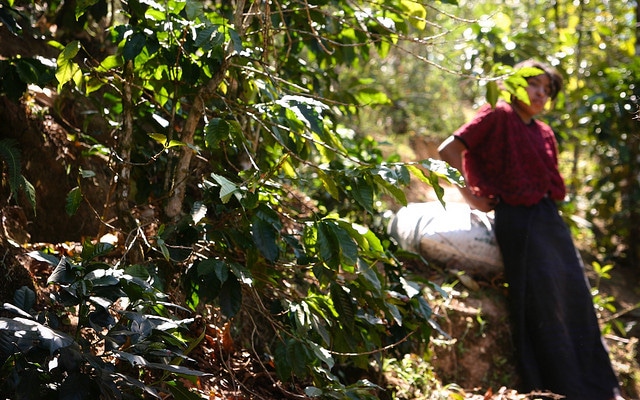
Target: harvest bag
[(455, 236)]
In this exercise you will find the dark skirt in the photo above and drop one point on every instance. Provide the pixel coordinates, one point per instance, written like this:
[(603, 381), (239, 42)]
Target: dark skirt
[(555, 329)]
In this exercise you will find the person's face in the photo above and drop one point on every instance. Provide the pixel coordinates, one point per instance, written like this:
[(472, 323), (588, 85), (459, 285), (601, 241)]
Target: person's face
[(539, 91)]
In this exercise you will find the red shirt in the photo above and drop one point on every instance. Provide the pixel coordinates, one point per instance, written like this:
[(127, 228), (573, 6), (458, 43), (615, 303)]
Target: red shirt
[(508, 158)]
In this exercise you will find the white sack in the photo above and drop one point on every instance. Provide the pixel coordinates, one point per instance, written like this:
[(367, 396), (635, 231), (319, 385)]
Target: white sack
[(455, 236)]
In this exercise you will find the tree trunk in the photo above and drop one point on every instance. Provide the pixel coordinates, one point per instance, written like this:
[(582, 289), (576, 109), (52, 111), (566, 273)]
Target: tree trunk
[(173, 209)]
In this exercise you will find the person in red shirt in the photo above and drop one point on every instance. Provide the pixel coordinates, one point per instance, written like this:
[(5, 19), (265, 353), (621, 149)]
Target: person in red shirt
[(509, 160)]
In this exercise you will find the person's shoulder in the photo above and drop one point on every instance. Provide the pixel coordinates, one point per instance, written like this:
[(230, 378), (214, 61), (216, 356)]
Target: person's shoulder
[(500, 110), (544, 127), (502, 107)]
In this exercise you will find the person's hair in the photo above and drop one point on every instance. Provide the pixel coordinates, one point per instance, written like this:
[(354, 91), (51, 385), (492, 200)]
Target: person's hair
[(552, 73)]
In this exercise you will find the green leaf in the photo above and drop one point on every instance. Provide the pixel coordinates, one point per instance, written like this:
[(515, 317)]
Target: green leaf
[(443, 170), (437, 169), (362, 192), (8, 20), (82, 5), (365, 238), (417, 13), (74, 198), (370, 97), (30, 192), (313, 391), (410, 288), (92, 251), (194, 9), (139, 361), (67, 69), (205, 37), (230, 297), (265, 235), (27, 332), (110, 62), (307, 110), (395, 312), (11, 156), (299, 356), (236, 40), (422, 308), (281, 361), (25, 298), (391, 189), (370, 275), (92, 84), (321, 353), (492, 93), (327, 245), (216, 131), (44, 257), (27, 71), (181, 392), (162, 139), (348, 247), (344, 306), (217, 267), (227, 188), (527, 72), (134, 45), (329, 184), (62, 274)]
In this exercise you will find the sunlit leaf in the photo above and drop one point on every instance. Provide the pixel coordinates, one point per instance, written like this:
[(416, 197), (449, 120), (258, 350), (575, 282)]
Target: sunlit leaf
[(322, 354), (67, 68), (162, 139), (91, 251), (395, 313), (227, 188), (26, 333), (392, 189), (492, 93), (416, 12), (329, 184), (371, 97), (110, 62)]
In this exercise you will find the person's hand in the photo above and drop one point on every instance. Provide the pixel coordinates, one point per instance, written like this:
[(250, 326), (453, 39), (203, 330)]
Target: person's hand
[(484, 204), (480, 203)]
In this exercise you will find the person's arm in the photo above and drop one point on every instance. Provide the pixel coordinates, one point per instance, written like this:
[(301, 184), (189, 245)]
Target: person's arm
[(451, 151)]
